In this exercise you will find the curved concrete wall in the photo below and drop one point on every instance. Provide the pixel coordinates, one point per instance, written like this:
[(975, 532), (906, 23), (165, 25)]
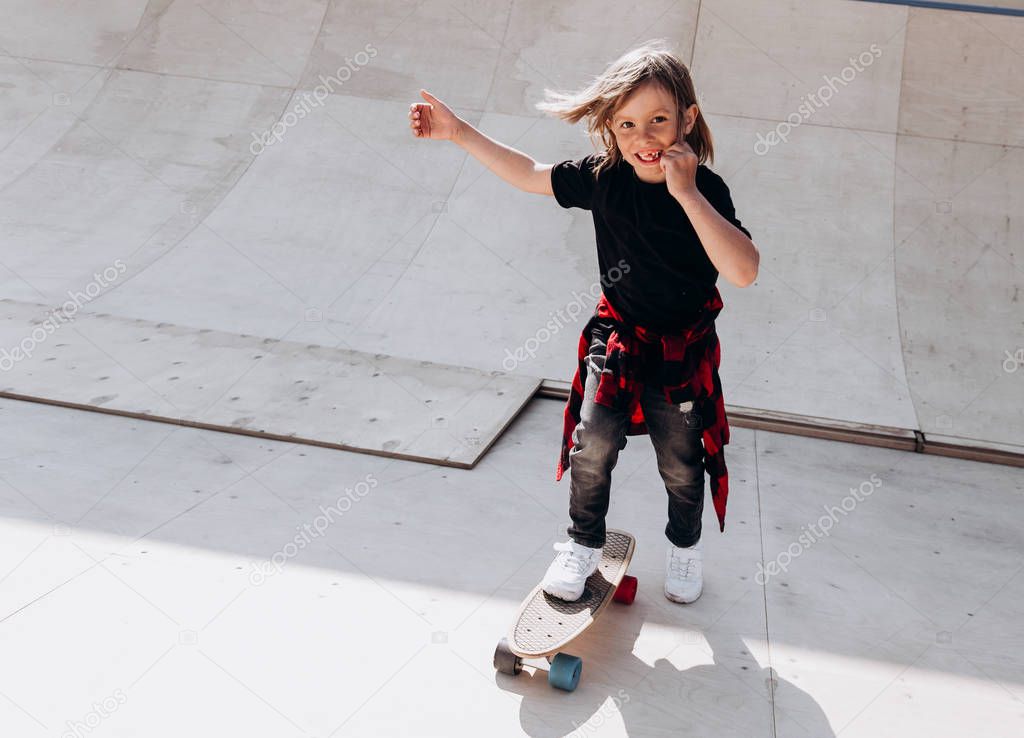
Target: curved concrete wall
[(889, 220)]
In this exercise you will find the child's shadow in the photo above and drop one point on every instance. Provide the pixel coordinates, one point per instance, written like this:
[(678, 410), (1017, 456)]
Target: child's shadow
[(620, 692)]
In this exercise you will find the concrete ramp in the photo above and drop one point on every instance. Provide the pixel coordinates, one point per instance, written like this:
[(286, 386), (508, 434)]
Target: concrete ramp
[(887, 212), (374, 403)]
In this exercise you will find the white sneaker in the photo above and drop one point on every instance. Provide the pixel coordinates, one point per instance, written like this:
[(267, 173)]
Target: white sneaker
[(567, 575), (684, 572)]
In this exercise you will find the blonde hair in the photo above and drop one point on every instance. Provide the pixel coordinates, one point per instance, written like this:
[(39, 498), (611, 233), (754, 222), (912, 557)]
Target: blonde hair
[(598, 102)]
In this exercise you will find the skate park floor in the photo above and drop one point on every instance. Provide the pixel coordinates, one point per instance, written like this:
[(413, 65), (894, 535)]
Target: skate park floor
[(165, 581)]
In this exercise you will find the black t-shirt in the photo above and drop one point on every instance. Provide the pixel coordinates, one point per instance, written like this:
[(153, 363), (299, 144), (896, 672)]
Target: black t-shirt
[(641, 225)]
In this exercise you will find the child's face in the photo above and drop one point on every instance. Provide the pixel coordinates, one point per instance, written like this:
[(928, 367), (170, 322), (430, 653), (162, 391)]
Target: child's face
[(647, 123)]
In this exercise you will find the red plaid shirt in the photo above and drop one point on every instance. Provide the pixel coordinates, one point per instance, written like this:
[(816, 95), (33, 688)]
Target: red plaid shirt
[(689, 371)]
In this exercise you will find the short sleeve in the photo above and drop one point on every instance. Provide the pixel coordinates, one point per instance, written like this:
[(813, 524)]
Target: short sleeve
[(573, 182), (720, 199)]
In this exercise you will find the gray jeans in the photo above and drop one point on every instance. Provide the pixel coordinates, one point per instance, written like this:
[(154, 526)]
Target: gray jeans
[(675, 432)]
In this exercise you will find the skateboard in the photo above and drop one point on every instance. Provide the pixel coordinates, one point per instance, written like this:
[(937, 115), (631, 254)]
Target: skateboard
[(545, 624)]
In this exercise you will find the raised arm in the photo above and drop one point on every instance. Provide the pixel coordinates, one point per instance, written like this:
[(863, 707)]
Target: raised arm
[(435, 120)]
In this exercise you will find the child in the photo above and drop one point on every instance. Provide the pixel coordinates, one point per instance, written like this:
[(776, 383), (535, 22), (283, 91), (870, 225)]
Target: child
[(648, 358)]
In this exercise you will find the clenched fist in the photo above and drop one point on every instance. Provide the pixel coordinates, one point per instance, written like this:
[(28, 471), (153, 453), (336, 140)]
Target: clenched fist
[(433, 119)]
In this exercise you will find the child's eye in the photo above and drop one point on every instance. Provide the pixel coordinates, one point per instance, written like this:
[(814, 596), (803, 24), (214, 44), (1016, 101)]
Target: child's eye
[(628, 122)]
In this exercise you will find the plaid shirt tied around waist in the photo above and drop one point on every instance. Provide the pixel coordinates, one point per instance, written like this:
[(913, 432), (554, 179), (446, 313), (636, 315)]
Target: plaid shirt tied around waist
[(688, 370)]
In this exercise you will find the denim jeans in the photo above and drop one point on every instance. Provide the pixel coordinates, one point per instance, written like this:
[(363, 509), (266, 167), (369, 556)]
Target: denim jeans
[(675, 432)]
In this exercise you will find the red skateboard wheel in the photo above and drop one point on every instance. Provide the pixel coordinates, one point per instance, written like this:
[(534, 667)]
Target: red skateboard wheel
[(626, 591)]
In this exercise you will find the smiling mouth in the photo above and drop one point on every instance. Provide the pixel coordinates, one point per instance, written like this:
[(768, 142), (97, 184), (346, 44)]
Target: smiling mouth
[(649, 155)]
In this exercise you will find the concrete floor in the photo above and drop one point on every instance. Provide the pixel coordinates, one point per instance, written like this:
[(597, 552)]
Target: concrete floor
[(149, 588)]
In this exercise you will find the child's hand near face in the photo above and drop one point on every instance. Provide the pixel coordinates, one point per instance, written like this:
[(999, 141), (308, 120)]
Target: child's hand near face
[(433, 119), (679, 163)]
